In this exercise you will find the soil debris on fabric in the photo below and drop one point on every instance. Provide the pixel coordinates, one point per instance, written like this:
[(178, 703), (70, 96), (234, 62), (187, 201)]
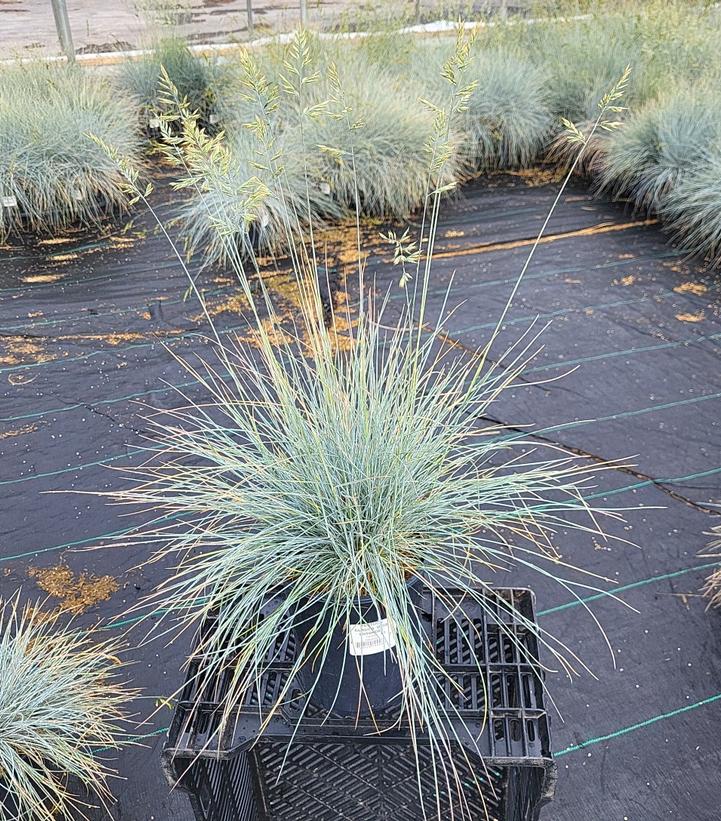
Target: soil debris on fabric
[(64, 257), (699, 317), (16, 350), (696, 288), (56, 241), (273, 330), (235, 304), (39, 279), (76, 593), (22, 431), (121, 242), (536, 177)]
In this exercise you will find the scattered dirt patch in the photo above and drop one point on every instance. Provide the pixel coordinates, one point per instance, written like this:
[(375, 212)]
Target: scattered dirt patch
[(76, 593), (234, 304), (625, 281), (274, 331), (57, 241), (8, 434), (64, 257), (40, 278), (699, 317), (691, 288), (535, 177), (340, 333), (19, 350), (121, 242)]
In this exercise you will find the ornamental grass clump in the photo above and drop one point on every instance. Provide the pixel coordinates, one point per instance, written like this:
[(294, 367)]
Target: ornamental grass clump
[(52, 175), (234, 206), (661, 144), (319, 140), (582, 58), (507, 120), (371, 139), (61, 702), (712, 588), (251, 190), (199, 79), (331, 467), (692, 209)]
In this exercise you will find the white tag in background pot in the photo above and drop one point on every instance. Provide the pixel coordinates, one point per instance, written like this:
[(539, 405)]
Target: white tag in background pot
[(9, 202), (365, 639), (154, 122)]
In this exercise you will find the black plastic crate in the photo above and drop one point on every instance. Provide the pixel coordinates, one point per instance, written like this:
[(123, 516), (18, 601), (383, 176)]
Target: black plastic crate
[(336, 769)]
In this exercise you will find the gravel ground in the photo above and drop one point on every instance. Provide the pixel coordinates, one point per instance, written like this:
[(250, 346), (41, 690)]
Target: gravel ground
[(27, 26)]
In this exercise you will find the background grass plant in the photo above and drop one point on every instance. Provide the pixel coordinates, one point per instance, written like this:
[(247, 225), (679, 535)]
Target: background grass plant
[(60, 701), (661, 144), (51, 174), (199, 79), (692, 209), (526, 79), (507, 120)]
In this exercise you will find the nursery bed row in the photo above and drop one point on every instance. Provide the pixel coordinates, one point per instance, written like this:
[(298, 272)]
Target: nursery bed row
[(663, 160)]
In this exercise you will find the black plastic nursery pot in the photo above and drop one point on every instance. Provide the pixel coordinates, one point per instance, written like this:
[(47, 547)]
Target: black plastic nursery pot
[(358, 675), (311, 763)]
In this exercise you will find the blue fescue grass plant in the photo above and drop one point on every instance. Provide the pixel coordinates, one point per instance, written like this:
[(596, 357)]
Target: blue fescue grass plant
[(349, 136), (199, 79), (662, 143), (243, 189), (372, 140), (665, 42), (525, 77), (61, 701), (692, 208), (344, 459), (712, 588), (51, 174), (507, 119)]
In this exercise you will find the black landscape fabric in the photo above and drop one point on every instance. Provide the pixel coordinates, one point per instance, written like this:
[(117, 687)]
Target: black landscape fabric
[(633, 343)]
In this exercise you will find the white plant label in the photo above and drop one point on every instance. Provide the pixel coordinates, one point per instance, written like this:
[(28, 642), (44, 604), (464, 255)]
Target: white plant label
[(365, 639), (154, 122), (324, 188), (213, 119), (10, 202)]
